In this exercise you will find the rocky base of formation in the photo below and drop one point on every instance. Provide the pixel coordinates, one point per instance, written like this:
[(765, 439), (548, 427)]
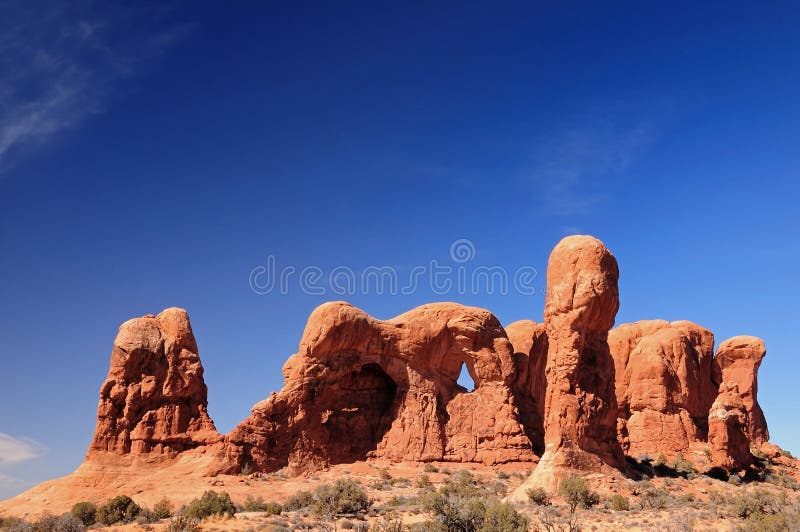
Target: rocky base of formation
[(571, 394)]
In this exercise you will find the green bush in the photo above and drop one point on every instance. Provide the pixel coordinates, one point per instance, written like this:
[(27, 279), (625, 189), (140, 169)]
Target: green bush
[(257, 504), (345, 496), (538, 496), (86, 512), (574, 490), (619, 503), (461, 504), (211, 503), (757, 502), (298, 501), (682, 466), (503, 517), (162, 509), (119, 509)]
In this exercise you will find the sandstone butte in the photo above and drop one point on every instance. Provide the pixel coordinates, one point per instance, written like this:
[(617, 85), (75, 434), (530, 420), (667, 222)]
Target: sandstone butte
[(572, 394)]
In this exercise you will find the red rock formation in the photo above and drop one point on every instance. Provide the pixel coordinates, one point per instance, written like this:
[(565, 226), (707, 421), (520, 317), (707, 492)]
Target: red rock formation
[(580, 403), (362, 387), (738, 360), (727, 429), (154, 398), (530, 357), (663, 385)]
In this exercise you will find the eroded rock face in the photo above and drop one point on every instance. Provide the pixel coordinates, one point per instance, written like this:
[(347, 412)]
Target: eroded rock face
[(727, 429), (362, 387), (738, 360), (529, 340), (154, 399), (663, 385), (580, 416)]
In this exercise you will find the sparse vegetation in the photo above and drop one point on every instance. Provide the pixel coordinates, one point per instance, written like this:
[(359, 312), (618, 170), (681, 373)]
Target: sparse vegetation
[(211, 503), (423, 481), (119, 509), (654, 499), (182, 523), (86, 512), (430, 468), (298, 501), (574, 490), (619, 503), (462, 504), (257, 504), (162, 509), (538, 496)]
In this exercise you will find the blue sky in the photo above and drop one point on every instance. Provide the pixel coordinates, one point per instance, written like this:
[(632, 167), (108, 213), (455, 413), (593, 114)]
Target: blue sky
[(156, 156)]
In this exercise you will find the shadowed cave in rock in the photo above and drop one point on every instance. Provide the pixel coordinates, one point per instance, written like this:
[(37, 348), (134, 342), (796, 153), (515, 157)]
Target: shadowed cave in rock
[(361, 404)]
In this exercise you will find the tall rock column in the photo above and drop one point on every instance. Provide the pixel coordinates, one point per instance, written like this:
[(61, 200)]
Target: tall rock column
[(580, 418), (738, 360)]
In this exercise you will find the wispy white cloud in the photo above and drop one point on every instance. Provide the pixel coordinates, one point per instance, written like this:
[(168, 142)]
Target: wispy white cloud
[(9, 481), (61, 62), (572, 168), (14, 450)]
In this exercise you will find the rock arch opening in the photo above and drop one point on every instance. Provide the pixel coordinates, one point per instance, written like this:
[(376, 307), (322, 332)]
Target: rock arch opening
[(465, 379)]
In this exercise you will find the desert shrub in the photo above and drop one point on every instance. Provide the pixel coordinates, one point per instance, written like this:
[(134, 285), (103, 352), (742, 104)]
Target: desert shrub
[(538, 496), (758, 454), (383, 474), (86, 512), (430, 468), (119, 509), (781, 479), (619, 503), (389, 523), (765, 512), (551, 520), (503, 517), (461, 504), (574, 490), (423, 481), (682, 466), (345, 496), (639, 487), (654, 499), (49, 523), (399, 482), (246, 469), (502, 475), (182, 523), (257, 504), (162, 509), (756, 502), (210, 503), (298, 501)]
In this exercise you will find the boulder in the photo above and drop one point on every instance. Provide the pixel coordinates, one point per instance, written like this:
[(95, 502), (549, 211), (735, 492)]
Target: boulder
[(738, 360), (154, 399), (361, 387)]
